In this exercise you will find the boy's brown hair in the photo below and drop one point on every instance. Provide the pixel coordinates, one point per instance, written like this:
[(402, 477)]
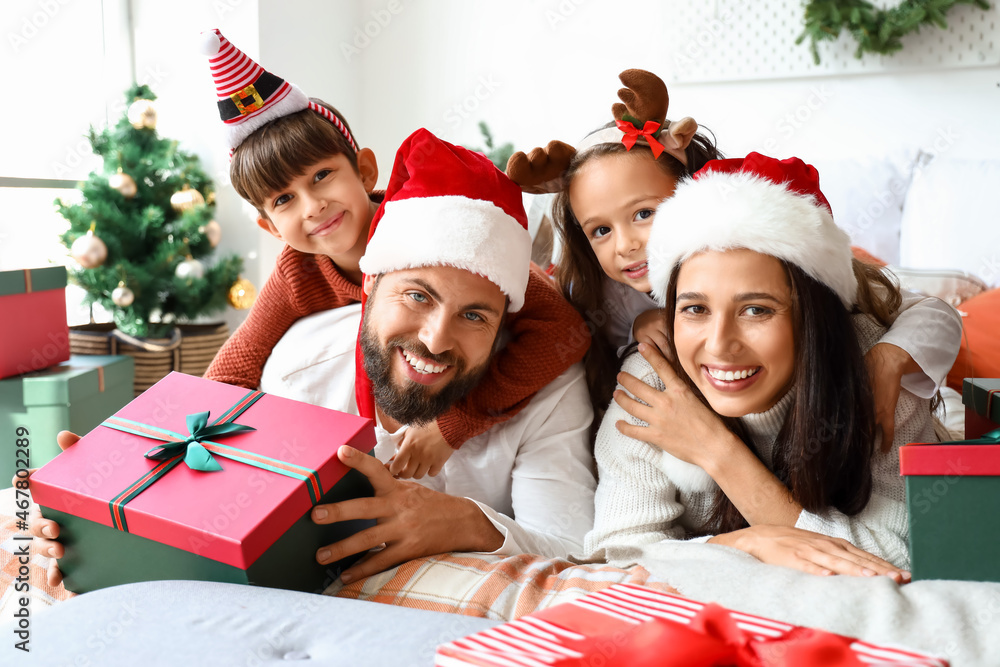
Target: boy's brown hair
[(271, 157)]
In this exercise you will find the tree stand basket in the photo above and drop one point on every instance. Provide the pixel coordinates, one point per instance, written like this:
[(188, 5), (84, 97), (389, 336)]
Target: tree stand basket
[(189, 349)]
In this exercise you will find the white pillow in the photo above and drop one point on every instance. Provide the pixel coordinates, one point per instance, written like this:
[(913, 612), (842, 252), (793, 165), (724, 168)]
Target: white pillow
[(952, 287), (951, 219), (866, 194)]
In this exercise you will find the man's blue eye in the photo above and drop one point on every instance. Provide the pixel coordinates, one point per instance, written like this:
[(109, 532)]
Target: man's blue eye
[(417, 296), (474, 317)]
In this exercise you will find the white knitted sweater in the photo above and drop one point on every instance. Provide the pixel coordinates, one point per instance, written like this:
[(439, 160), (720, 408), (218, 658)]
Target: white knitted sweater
[(645, 495)]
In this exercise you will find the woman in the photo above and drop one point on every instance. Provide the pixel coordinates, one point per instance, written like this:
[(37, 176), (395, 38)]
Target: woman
[(759, 433)]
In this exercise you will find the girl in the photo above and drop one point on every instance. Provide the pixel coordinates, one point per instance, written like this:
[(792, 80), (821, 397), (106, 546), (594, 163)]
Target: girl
[(608, 190), (761, 434)]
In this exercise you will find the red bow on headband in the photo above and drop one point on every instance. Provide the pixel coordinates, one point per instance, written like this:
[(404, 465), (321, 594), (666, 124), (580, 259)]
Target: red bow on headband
[(632, 134)]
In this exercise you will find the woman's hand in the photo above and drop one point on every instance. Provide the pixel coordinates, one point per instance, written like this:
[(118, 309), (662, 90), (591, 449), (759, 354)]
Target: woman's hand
[(47, 530), (810, 552), (679, 423)]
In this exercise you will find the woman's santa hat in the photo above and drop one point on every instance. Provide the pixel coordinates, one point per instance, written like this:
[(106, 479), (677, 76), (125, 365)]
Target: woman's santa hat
[(774, 207), (250, 96), (447, 206)]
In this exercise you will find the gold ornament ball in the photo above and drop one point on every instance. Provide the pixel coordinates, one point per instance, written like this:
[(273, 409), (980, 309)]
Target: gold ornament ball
[(142, 114), (124, 184), (213, 232), (190, 269), (122, 296), (89, 251), (242, 294), (185, 199)]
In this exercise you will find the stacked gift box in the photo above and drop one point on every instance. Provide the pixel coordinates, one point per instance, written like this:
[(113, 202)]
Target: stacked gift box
[(952, 492), (33, 330), (633, 626), (75, 395), (201, 480)]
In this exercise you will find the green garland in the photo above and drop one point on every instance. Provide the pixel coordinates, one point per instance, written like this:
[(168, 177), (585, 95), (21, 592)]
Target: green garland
[(876, 30)]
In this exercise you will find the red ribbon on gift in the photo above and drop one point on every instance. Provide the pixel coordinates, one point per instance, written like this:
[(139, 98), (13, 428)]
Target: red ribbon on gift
[(713, 639), (648, 132)]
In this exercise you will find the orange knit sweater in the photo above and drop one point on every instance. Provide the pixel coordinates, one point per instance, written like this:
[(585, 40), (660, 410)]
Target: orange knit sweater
[(545, 338)]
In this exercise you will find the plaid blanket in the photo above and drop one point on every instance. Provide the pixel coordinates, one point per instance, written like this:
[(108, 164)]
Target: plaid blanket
[(491, 587), (468, 584)]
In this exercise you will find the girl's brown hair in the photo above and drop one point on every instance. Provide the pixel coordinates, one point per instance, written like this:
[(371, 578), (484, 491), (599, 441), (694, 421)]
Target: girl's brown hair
[(579, 274), (272, 156)]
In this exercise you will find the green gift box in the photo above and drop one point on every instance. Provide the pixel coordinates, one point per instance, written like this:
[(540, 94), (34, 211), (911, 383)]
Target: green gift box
[(76, 395), (981, 397), (952, 494)]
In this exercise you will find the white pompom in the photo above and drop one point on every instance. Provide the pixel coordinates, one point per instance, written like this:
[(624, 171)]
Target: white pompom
[(210, 43)]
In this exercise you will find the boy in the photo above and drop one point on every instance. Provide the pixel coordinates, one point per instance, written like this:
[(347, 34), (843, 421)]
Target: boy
[(297, 162)]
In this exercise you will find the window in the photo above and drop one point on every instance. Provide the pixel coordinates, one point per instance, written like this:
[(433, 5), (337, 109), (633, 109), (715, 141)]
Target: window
[(65, 65)]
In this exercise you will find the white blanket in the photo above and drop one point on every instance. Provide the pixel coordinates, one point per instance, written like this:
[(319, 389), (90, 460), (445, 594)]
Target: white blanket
[(957, 620)]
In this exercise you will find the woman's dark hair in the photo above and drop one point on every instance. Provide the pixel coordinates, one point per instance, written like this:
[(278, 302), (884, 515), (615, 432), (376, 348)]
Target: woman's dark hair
[(282, 149), (579, 274), (824, 449)]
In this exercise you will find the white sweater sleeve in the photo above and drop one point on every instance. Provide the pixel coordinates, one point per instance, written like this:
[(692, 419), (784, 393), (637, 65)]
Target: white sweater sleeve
[(931, 333), (636, 502)]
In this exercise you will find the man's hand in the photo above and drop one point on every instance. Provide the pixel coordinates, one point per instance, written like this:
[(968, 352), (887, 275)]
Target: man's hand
[(810, 552), (44, 529), (424, 451), (412, 521), (886, 366), (650, 327)]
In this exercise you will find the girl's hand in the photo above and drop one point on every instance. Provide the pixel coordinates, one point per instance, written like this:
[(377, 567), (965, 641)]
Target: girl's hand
[(887, 364), (810, 552), (679, 423), (424, 451), (650, 327)]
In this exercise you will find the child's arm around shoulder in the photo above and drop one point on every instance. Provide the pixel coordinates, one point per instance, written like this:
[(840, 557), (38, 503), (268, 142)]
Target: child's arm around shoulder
[(298, 286), (547, 336), (930, 331)]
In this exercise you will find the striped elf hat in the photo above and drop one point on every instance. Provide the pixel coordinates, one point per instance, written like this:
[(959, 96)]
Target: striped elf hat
[(250, 96)]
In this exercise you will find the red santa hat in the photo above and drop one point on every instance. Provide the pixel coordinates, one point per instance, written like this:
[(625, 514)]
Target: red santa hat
[(447, 205), (250, 96), (774, 207)]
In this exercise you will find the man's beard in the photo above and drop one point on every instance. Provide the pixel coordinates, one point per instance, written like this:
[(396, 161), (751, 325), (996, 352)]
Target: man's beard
[(413, 403)]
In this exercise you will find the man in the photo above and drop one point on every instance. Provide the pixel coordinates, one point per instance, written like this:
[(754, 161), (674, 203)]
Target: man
[(447, 259)]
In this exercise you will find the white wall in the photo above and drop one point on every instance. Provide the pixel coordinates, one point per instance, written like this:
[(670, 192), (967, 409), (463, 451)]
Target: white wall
[(535, 70), (553, 64)]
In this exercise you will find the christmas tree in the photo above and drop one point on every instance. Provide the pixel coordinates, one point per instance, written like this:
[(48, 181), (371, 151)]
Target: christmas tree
[(144, 228)]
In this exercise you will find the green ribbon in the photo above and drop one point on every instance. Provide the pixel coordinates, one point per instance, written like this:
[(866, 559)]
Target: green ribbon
[(988, 438), (195, 455), (191, 450)]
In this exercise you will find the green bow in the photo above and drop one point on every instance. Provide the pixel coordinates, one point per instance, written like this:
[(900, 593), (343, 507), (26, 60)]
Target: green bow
[(195, 456), (989, 438)]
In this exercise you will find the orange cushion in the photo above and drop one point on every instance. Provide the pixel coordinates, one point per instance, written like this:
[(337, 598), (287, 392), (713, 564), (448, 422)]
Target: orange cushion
[(865, 256), (979, 355)]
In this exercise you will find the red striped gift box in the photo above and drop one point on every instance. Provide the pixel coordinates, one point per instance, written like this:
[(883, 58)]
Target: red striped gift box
[(633, 626)]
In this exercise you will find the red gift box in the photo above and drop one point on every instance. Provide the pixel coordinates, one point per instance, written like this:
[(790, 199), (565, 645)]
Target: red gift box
[(33, 330), (106, 489), (632, 626)]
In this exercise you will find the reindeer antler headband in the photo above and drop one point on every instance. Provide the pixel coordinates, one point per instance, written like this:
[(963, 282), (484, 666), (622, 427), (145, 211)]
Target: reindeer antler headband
[(640, 118)]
